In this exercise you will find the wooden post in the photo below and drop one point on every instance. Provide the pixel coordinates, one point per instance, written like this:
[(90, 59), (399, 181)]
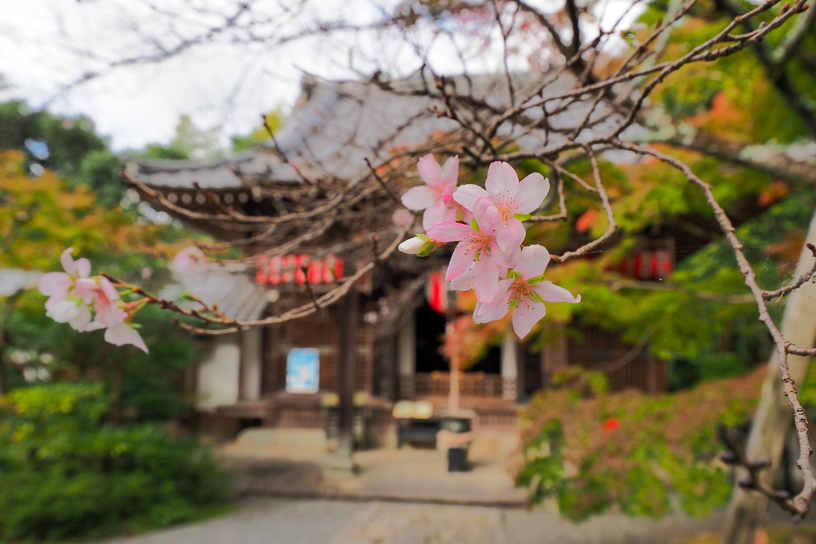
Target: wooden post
[(509, 367), (746, 512), (349, 308)]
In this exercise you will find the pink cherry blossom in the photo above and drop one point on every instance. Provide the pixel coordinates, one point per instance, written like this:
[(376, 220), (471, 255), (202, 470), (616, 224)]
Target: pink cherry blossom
[(402, 218), (478, 246), (111, 317), (436, 196), (525, 293), (188, 260), (511, 197), (70, 292)]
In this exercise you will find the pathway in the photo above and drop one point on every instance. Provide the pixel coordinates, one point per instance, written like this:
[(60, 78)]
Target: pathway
[(296, 521)]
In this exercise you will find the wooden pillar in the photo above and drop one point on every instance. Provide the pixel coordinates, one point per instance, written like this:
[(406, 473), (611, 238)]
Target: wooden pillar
[(521, 380), (388, 370), (406, 356), (509, 367), (271, 359), (349, 309)]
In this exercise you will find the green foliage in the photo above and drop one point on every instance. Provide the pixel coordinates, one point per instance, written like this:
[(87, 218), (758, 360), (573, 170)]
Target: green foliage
[(148, 390), (67, 146), (65, 474), (190, 142), (590, 450), (38, 219), (701, 337)]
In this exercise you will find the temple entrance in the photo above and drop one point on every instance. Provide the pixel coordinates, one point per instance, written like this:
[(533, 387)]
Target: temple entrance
[(430, 329)]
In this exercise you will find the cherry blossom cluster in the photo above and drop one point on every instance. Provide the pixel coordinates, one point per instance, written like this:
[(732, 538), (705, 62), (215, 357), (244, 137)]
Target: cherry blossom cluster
[(488, 225), (74, 294)]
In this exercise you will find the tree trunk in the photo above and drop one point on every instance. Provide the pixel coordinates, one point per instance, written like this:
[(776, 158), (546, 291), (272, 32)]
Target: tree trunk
[(746, 513)]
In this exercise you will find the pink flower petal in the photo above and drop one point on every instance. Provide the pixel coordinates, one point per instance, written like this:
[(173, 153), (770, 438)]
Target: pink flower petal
[(506, 259), (402, 218), (467, 195), (553, 293), (108, 312), (429, 171), (526, 314), (450, 232), (436, 214), (485, 313), (501, 182), (450, 172), (533, 262), (95, 326), (82, 267), (82, 318), (55, 284), (509, 235), (487, 279), (461, 260), (124, 334), (465, 282), (530, 193), (86, 288), (485, 214), (418, 198), (67, 262), (108, 289), (188, 260), (78, 316)]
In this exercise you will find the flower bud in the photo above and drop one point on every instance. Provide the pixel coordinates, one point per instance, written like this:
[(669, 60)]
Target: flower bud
[(412, 246)]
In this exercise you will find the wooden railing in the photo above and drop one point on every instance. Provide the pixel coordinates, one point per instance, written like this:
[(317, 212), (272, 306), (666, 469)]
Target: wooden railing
[(475, 384)]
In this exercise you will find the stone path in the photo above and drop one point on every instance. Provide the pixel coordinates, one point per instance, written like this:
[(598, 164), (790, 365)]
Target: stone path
[(423, 524), (295, 521)]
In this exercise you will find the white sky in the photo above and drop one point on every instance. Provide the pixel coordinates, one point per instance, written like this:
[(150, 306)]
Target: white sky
[(46, 44)]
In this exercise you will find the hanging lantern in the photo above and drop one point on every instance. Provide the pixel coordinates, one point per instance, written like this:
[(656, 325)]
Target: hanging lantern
[(437, 292)]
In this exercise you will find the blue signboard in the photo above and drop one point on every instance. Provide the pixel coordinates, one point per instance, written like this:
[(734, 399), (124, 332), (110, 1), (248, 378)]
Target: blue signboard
[(303, 370)]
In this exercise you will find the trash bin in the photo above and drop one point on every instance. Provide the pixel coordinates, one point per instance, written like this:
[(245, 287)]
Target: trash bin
[(456, 433), (457, 460)]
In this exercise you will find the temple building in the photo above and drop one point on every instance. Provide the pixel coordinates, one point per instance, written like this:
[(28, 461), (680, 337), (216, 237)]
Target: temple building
[(284, 375)]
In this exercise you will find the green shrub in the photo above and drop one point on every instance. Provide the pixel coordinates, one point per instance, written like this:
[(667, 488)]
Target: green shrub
[(64, 473), (591, 450)]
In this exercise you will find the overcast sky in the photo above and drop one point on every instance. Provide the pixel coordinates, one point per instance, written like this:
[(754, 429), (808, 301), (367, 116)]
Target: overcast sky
[(47, 44)]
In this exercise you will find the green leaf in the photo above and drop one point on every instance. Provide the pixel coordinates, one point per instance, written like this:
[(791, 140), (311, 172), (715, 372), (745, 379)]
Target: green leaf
[(475, 225), (537, 279), (522, 216), (427, 248)]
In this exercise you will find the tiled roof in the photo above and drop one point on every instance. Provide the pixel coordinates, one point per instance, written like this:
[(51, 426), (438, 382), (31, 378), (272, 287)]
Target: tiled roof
[(231, 287), (340, 124)]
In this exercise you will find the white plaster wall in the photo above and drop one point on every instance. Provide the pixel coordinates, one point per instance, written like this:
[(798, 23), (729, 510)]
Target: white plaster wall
[(251, 355), (218, 373)]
